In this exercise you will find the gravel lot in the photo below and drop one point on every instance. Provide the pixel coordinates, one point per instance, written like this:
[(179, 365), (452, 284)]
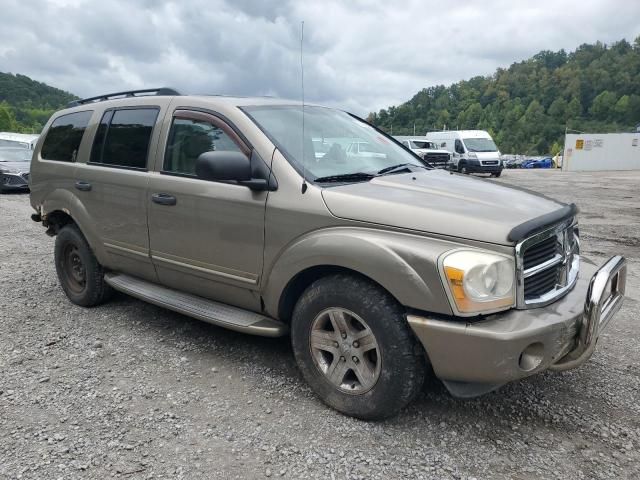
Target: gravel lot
[(129, 390)]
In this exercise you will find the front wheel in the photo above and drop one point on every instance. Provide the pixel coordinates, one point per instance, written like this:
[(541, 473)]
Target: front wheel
[(462, 168), (497, 174), (355, 349)]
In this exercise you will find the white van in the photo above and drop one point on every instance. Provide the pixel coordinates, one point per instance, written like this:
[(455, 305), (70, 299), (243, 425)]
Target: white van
[(472, 151)]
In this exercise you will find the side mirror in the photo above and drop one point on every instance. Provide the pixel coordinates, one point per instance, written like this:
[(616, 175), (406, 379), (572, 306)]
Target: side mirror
[(223, 166), (228, 166)]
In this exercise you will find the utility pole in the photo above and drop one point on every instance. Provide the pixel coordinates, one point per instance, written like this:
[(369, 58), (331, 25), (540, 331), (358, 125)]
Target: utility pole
[(414, 128)]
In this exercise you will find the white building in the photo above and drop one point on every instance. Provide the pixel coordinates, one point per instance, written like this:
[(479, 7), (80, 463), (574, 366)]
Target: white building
[(601, 151)]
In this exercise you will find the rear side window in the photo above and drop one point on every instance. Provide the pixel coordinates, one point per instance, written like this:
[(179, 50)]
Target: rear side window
[(64, 136), (123, 137)]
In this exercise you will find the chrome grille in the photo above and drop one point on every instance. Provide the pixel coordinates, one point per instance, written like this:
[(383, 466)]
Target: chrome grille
[(437, 159), (541, 252), (547, 264)]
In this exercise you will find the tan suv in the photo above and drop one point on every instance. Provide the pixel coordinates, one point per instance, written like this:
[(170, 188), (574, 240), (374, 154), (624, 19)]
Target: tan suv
[(378, 265)]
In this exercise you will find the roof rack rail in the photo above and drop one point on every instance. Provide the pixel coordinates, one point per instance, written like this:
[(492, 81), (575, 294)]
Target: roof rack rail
[(129, 93)]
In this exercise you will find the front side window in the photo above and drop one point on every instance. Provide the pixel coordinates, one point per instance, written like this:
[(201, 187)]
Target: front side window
[(458, 146), (64, 136), (123, 137), (480, 145), (188, 139), (354, 146)]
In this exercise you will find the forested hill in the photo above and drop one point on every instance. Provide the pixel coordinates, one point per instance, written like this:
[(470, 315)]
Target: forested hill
[(527, 106), (26, 105)]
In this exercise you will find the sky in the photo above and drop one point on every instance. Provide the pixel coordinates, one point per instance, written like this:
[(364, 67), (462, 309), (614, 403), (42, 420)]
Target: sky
[(359, 55)]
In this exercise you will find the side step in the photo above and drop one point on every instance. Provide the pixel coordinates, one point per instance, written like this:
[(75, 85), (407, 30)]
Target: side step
[(219, 314)]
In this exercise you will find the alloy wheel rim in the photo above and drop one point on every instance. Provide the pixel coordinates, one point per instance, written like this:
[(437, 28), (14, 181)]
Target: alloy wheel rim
[(345, 350)]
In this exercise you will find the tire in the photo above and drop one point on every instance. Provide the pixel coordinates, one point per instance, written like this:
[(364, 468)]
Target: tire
[(79, 273), (497, 174), (462, 168), (390, 373)]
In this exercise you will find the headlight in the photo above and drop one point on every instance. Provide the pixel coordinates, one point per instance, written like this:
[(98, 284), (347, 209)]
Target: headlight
[(479, 282), (472, 155)]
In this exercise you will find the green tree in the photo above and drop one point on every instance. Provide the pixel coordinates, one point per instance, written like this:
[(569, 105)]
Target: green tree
[(7, 120), (603, 105)]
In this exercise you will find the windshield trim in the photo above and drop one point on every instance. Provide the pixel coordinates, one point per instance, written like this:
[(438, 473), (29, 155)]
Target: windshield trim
[(308, 176)]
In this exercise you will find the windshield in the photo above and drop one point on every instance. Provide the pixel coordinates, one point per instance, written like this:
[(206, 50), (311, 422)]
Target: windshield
[(480, 145), (14, 143), (349, 145), (422, 144), (15, 155)]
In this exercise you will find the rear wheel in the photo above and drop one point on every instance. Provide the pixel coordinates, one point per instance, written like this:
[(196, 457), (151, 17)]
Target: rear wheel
[(355, 349), (79, 273)]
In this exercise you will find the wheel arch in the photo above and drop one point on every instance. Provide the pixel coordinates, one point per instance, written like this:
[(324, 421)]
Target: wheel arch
[(402, 265), (302, 280), (62, 208)]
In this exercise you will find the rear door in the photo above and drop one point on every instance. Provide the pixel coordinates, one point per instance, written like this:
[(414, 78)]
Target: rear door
[(207, 237), (54, 166), (112, 185)]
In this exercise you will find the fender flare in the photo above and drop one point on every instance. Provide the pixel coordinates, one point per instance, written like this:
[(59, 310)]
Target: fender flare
[(405, 265)]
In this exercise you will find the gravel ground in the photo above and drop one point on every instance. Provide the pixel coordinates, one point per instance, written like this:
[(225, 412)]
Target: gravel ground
[(129, 390)]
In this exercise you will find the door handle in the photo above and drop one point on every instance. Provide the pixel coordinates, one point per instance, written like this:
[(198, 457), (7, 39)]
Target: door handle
[(84, 186), (163, 199)]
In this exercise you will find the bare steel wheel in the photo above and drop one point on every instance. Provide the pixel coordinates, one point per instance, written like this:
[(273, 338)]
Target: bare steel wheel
[(354, 347), (345, 350), (80, 275), (75, 274)]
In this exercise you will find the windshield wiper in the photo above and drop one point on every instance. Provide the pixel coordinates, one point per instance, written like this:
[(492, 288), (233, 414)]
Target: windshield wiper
[(399, 168), (346, 177)]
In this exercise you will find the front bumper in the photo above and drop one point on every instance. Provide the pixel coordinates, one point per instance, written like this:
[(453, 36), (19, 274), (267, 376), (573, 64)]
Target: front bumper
[(473, 358), (477, 168), (14, 181)]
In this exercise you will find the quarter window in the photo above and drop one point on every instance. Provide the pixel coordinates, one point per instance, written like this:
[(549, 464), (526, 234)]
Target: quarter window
[(64, 136), (123, 137), (188, 139)]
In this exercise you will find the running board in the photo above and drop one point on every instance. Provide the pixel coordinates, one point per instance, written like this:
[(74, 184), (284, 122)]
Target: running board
[(219, 314)]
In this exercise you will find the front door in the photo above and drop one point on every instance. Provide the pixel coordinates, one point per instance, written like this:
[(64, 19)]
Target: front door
[(206, 237)]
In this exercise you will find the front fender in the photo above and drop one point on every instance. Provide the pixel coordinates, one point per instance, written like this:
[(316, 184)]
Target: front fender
[(404, 264)]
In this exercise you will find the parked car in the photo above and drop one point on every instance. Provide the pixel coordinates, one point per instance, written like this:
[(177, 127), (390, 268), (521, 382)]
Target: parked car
[(14, 169), (364, 150), (377, 266), (427, 150), (22, 140), (538, 163), (513, 163)]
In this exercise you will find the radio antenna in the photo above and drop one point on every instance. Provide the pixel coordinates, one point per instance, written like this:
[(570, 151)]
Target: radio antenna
[(304, 163)]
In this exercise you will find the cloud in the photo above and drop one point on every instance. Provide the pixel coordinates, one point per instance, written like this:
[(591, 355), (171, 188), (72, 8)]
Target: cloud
[(360, 55)]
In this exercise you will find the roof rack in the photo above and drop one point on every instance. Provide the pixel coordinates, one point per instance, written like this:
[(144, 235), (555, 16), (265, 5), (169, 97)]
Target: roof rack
[(129, 93)]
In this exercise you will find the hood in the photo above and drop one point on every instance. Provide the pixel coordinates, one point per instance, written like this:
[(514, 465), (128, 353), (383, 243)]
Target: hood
[(21, 167), (439, 202)]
